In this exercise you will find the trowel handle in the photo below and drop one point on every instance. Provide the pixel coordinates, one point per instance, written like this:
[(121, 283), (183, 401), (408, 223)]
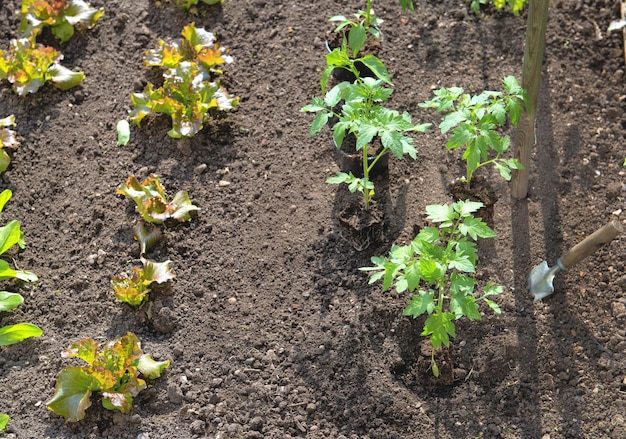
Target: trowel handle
[(591, 243)]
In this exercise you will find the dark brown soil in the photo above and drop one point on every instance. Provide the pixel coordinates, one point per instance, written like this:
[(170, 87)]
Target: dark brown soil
[(272, 330)]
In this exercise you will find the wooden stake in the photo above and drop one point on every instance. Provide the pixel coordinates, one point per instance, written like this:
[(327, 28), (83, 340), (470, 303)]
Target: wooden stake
[(531, 81)]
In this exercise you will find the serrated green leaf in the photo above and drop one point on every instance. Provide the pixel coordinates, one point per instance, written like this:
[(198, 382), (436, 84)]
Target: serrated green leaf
[(419, 304), (440, 327), (440, 212), (451, 120), (463, 305)]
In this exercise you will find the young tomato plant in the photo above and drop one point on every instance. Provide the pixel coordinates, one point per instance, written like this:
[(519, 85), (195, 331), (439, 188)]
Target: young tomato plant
[(113, 369), (437, 264), (363, 23), (190, 89), (151, 201), (362, 115), (474, 121), (134, 289), (60, 15), (28, 65), (7, 140)]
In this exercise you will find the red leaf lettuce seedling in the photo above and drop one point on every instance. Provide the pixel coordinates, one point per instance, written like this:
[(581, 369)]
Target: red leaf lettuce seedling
[(60, 15), (190, 88), (474, 121), (28, 65), (134, 289), (437, 264), (151, 201), (113, 370)]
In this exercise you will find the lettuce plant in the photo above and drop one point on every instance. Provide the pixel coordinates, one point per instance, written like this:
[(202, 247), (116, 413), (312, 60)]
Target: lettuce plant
[(4, 420), (60, 15), (151, 201), (112, 369), (12, 334), (8, 140), (10, 235), (437, 265), (134, 289), (28, 65), (190, 89), (474, 121)]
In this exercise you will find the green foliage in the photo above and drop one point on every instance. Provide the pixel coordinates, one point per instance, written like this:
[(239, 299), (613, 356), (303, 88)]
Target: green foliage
[(516, 5), (8, 140), (61, 15), (134, 289), (10, 235), (355, 108), (123, 132), (187, 4), (151, 201), (28, 65), (475, 120), (190, 89), (435, 268), (340, 58), (361, 24), (147, 238), (113, 369), (4, 420)]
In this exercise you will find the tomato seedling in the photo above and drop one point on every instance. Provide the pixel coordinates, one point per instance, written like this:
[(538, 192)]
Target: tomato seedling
[(437, 264)]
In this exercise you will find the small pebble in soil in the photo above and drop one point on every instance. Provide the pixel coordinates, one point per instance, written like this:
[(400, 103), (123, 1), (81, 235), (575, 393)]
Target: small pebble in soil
[(223, 183), (200, 169), (232, 300)]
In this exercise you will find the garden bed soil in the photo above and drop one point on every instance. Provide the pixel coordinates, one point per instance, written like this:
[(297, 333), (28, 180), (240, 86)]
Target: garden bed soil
[(271, 329)]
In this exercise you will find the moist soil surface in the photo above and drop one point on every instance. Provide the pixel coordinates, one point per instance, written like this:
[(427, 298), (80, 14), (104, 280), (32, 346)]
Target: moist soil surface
[(271, 329)]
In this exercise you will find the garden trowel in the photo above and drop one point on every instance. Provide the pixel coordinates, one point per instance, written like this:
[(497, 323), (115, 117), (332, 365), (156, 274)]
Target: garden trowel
[(540, 279)]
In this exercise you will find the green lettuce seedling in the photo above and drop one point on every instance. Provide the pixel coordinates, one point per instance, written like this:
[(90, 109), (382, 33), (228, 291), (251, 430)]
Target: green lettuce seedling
[(190, 89), (12, 334), (28, 65), (134, 289), (4, 420), (474, 121), (113, 369), (10, 235), (151, 201), (60, 15), (437, 264), (7, 140)]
